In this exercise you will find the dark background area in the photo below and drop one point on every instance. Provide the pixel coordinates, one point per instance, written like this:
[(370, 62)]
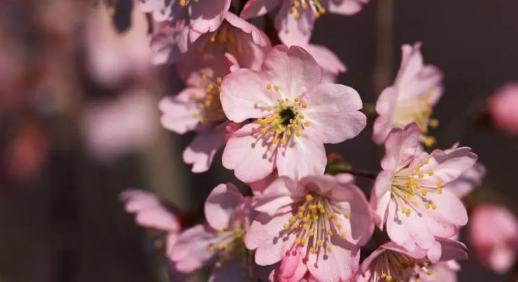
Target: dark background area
[(67, 225)]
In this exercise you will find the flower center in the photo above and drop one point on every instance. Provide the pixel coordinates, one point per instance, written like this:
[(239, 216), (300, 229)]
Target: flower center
[(420, 112), (393, 266), (285, 121), (225, 40), (209, 104), (314, 223), (231, 246), (301, 6), (184, 3), (410, 188)]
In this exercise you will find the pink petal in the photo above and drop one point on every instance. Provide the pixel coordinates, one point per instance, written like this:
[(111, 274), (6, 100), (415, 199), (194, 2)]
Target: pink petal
[(247, 156), (385, 107), (258, 36), (450, 210), (470, 179), (401, 147), (178, 111), (452, 250), (279, 194), (294, 31), (292, 268), (326, 58), (345, 7), (201, 151), (207, 16), (293, 69), (257, 8), (380, 197), (264, 237), (170, 42), (190, 251), (333, 110), (502, 107), (193, 66), (448, 166), (244, 95), (302, 156), (221, 204)]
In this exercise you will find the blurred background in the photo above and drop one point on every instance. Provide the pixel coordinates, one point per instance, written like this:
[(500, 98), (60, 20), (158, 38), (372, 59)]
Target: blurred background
[(79, 122)]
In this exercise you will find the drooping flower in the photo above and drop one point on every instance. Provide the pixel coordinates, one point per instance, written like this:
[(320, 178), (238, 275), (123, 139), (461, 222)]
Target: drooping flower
[(391, 262), (409, 195), (296, 18), (493, 233), (410, 99), (235, 36), (503, 108), (204, 16), (198, 108), (220, 240), (151, 212), (313, 227), (295, 114)]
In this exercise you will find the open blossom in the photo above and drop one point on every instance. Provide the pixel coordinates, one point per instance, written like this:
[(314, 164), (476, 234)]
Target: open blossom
[(313, 227), (391, 262), (295, 114), (295, 19), (235, 36), (493, 233), (503, 107), (220, 240), (151, 212), (198, 108), (410, 99), (204, 15), (409, 195)]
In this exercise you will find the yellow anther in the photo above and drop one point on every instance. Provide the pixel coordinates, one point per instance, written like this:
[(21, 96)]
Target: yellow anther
[(309, 198), (319, 242), (221, 230), (439, 183), (210, 248), (421, 175), (304, 105), (439, 190), (195, 115), (218, 80), (434, 207), (276, 87), (306, 124), (304, 5), (269, 109), (424, 192), (427, 206), (204, 76), (339, 226), (347, 216), (297, 241), (313, 251), (330, 232), (426, 161), (434, 123), (430, 173), (429, 272), (275, 141), (197, 85), (296, 225), (296, 99), (286, 226), (283, 141), (311, 233), (305, 226), (221, 246), (329, 249), (263, 130), (342, 235), (268, 86), (300, 215), (388, 278)]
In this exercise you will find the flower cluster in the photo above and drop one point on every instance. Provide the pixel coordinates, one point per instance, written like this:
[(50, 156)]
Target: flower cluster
[(272, 109)]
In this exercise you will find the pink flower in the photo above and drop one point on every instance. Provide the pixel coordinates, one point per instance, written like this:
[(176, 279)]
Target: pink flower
[(204, 16), (296, 18), (220, 240), (331, 65), (235, 36), (152, 213), (409, 197), (114, 57), (467, 181), (391, 262), (316, 225), (493, 233), (503, 107), (198, 108), (295, 114), (416, 90)]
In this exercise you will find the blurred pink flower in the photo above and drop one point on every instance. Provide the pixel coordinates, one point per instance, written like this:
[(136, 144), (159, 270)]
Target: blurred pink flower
[(151, 212), (409, 197), (316, 225), (114, 57), (235, 36), (416, 90), (295, 113), (503, 107), (493, 233), (220, 240), (116, 127), (204, 16), (198, 108), (296, 18), (391, 262)]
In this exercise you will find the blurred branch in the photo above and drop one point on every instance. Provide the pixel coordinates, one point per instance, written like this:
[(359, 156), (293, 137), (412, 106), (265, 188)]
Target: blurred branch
[(385, 44)]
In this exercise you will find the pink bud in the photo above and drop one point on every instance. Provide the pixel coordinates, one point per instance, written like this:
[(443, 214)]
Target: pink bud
[(503, 107)]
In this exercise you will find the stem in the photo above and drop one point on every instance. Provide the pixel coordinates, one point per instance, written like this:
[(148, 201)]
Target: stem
[(363, 173)]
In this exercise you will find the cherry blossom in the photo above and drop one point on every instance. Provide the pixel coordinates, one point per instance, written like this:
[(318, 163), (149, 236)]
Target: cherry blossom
[(220, 240), (294, 115), (235, 36), (198, 108), (312, 227), (409, 195), (391, 262), (493, 233), (410, 99), (503, 107), (151, 212), (204, 16), (295, 19)]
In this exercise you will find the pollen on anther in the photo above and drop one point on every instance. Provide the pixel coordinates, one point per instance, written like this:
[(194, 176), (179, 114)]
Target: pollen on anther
[(439, 190), (309, 198), (276, 87), (268, 86)]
